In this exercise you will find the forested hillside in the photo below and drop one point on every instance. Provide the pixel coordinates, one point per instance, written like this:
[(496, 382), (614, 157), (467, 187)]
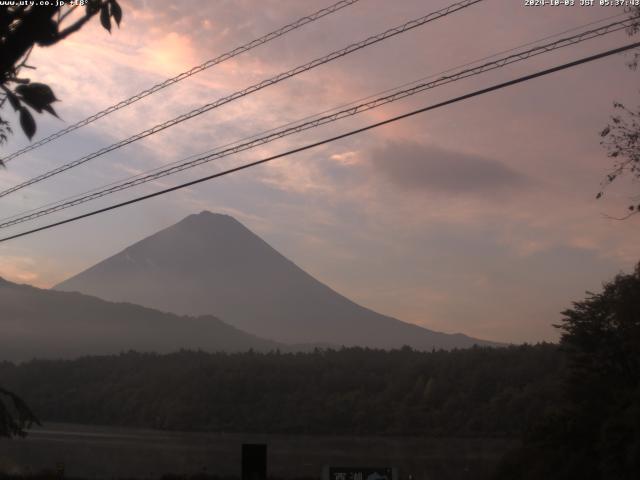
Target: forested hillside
[(473, 392)]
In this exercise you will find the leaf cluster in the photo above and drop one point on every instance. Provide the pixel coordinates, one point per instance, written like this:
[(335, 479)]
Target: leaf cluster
[(621, 138), (22, 27)]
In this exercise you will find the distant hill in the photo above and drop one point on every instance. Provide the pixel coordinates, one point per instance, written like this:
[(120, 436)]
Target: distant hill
[(50, 324), (211, 264)]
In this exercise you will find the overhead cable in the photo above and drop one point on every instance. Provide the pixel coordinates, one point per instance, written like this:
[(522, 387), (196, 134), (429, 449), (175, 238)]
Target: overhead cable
[(329, 140), (189, 73), (296, 128), (249, 90)]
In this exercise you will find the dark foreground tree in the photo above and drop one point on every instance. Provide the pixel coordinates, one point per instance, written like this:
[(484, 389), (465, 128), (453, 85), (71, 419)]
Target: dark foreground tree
[(15, 415), (595, 433), (22, 27)]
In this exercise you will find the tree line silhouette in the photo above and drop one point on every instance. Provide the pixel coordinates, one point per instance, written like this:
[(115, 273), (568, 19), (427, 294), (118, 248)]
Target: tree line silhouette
[(473, 392)]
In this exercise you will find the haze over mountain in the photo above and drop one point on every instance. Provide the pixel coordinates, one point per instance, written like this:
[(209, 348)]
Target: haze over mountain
[(37, 323), (211, 264)]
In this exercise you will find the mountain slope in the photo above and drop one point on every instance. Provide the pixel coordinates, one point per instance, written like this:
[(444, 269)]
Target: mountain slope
[(211, 264), (49, 324)]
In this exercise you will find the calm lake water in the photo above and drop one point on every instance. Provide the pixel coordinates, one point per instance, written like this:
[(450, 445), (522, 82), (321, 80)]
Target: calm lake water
[(110, 452)]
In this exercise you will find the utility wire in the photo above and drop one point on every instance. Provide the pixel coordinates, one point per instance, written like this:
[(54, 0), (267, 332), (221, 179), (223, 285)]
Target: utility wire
[(184, 164), (308, 117), (290, 130), (414, 81), (204, 66), (67, 202), (252, 89), (332, 139)]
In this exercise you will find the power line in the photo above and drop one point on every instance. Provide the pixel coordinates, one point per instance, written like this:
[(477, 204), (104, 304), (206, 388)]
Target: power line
[(332, 139), (119, 185), (252, 89), (178, 78), (308, 117), (290, 130)]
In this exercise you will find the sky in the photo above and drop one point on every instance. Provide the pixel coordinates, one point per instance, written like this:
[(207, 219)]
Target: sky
[(478, 218)]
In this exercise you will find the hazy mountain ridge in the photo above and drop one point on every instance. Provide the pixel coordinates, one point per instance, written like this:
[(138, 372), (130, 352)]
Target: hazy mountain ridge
[(50, 324), (211, 264)]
